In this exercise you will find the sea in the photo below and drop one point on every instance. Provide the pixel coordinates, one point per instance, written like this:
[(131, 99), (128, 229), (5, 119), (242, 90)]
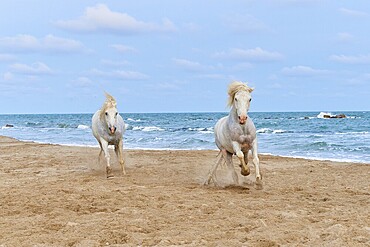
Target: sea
[(290, 134)]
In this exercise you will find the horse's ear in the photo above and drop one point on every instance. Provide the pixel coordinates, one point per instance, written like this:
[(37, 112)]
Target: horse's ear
[(250, 89)]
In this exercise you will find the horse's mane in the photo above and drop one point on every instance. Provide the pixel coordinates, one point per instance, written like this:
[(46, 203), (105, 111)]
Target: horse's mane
[(235, 87), (110, 102)]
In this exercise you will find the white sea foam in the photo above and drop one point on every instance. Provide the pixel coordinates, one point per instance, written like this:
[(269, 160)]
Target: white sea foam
[(134, 120), (322, 114), (353, 133), (83, 127), (206, 132), (203, 130), (331, 115), (147, 128), (269, 131), (264, 130)]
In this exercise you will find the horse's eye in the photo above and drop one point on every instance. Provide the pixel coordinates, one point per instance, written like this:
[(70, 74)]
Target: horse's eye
[(106, 113), (250, 100), (236, 99), (116, 113)]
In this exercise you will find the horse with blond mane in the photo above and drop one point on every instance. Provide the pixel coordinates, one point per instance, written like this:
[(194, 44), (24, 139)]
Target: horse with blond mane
[(108, 128), (236, 134)]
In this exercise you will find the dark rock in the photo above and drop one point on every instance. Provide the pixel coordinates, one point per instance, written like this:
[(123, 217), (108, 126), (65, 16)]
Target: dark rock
[(9, 125)]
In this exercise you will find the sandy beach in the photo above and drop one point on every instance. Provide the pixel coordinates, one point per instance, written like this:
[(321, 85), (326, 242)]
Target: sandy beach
[(53, 195)]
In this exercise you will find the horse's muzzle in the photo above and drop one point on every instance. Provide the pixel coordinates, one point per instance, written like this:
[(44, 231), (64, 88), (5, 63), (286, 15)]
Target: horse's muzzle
[(112, 129), (242, 119)]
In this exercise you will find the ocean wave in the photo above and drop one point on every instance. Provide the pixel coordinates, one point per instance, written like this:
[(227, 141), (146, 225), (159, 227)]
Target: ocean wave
[(81, 126), (323, 114), (147, 128), (31, 124), (134, 120), (208, 130), (272, 131), (353, 133)]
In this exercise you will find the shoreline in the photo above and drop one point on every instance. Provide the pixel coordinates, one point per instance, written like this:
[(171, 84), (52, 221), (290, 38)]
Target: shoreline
[(167, 149), (55, 195)]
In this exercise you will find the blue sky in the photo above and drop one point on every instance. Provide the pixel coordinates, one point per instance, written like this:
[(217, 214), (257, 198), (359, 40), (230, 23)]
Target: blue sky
[(179, 56)]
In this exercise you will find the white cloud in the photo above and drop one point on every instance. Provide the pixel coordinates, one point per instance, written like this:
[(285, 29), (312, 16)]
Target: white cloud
[(252, 55), (354, 13), (53, 43), (245, 24), (359, 80), (34, 69), (123, 48), (6, 57), (345, 37), (303, 71), (7, 76), (360, 59), (118, 74), (50, 43), (190, 65), (101, 18)]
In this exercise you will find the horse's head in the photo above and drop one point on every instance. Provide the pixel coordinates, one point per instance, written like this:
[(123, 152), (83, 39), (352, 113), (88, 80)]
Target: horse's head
[(109, 113), (240, 98), (110, 116)]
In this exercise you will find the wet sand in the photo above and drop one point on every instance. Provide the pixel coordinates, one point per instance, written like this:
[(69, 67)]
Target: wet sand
[(53, 195)]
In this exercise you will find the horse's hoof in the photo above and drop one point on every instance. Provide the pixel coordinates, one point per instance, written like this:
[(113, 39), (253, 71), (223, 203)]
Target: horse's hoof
[(258, 184), (245, 172), (109, 173)]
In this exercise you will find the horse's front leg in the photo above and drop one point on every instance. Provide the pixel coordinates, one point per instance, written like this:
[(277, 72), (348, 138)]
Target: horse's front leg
[(119, 152), (245, 168), (104, 145), (256, 163)]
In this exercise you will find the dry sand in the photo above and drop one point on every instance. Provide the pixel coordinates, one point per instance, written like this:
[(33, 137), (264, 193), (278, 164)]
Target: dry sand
[(54, 195)]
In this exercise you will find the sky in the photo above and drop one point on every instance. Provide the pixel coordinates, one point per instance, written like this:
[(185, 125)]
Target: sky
[(179, 56)]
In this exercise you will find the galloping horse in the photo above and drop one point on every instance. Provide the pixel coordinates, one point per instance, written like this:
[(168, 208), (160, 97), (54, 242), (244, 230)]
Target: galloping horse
[(236, 134), (108, 128)]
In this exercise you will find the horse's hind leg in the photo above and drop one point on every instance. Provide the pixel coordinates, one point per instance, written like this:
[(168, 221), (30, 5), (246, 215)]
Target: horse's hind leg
[(230, 165), (212, 170), (119, 152), (211, 173), (101, 151)]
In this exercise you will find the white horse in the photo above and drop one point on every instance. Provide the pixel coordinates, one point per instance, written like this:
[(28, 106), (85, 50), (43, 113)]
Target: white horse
[(108, 128), (236, 134)]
